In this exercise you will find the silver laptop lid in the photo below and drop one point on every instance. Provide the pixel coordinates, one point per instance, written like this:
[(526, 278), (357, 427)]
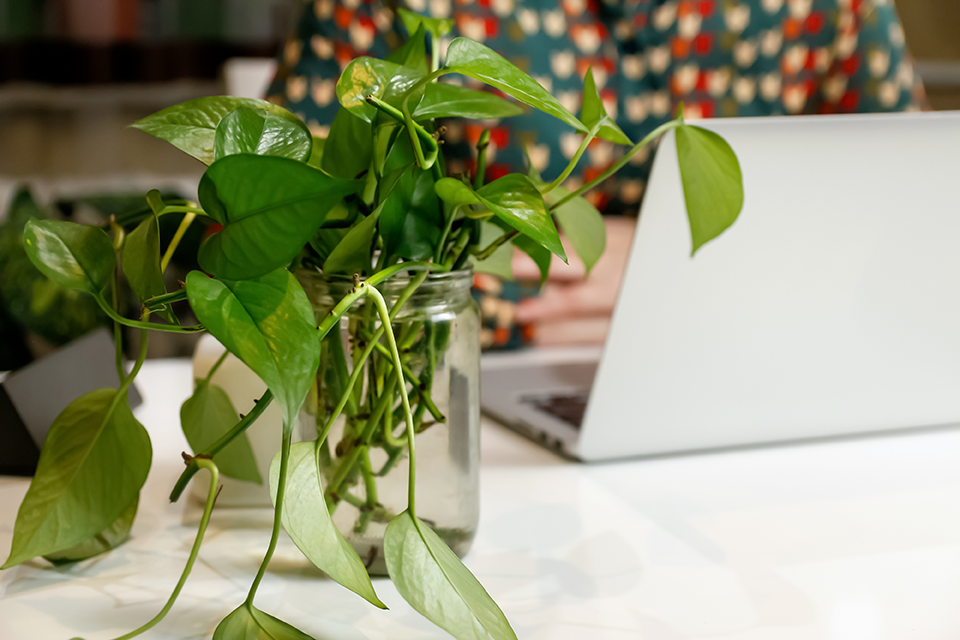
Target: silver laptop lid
[(831, 307)]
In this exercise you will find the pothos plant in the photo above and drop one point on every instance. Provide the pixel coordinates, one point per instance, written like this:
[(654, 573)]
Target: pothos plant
[(370, 201)]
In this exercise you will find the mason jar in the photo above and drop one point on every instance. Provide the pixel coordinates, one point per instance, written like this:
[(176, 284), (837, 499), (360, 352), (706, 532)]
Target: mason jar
[(364, 460)]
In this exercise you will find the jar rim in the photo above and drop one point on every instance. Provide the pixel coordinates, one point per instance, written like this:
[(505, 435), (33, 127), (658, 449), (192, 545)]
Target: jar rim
[(401, 277)]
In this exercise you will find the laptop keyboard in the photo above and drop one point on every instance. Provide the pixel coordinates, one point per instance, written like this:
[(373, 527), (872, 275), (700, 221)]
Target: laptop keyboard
[(568, 407)]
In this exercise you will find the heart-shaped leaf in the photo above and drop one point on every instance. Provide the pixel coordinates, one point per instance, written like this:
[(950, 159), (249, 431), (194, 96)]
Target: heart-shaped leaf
[(433, 580), (269, 324), (349, 146), (141, 264), (515, 199), (413, 53), (260, 132), (443, 100), (583, 226), (246, 622), (205, 417), (269, 208), (191, 126), (305, 517), (91, 468), (73, 255), (110, 538), (712, 182), (365, 77), (593, 113), (482, 63)]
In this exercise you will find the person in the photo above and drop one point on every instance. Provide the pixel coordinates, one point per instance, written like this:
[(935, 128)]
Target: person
[(721, 59)]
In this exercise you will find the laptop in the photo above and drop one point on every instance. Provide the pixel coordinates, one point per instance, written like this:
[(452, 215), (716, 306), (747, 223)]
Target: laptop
[(830, 308)]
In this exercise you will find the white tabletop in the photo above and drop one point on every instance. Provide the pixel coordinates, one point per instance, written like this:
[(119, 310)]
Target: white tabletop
[(849, 540)]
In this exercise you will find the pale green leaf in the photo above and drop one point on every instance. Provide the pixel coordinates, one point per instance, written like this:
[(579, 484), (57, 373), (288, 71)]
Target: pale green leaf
[(246, 622), (110, 538), (208, 415), (141, 264), (500, 262), (305, 518), (593, 113), (583, 226), (365, 77), (73, 255)]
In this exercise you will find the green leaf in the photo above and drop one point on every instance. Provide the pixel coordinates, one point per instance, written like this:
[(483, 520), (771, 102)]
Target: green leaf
[(538, 254), (437, 27), (593, 113), (413, 53), (433, 580), (352, 254), (443, 100), (73, 255), (316, 154), (455, 192), (269, 324), (515, 199), (141, 263), (269, 208), (712, 183), (205, 417), (583, 225), (411, 219), (500, 263), (305, 517), (246, 622), (110, 538), (92, 465), (191, 126), (349, 146), (365, 77), (260, 132), (484, 64)]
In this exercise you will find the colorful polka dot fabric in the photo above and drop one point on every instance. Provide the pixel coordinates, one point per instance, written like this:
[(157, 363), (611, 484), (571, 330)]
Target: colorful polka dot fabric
[(721, 58)]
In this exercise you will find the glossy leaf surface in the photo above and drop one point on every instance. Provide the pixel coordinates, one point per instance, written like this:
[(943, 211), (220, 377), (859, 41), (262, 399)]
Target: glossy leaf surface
[(443, 100), (455, 192), (205, 417), (349, 146), (516, 200), (246, 622), (73, 255), (191, 126), (411, 219), (91, 468), (712, 182), (365, 77), (269, 324), (594, 113), (262, 133), (316, 154), (433, 580), (484, 64), (110, 538), (583, 226), (141, 264), (306, 519), (269, 208)]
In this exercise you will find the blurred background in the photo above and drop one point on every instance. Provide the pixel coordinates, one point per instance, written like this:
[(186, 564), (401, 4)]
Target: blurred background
[(75, 73)]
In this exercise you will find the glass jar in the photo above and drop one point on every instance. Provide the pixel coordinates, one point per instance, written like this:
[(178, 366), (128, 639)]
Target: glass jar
[(364, 461)]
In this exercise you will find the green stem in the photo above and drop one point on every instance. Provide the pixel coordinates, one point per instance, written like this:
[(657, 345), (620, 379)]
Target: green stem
[(178, 209), (277, 511), (488, 250), (117, 330), (616, 166), (158, 303), (258, 408), (408, 119), (482, 145), (139, 324), (181, 230), (458, 248), (587, 138), (216, 365), (407, 415), (201, 530)]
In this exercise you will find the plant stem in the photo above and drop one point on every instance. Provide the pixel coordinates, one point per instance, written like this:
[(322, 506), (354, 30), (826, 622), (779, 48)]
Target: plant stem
[(258, 408), (408, 416), (408, 119), (216, 365), (140, 324), (117, 329), (277, 511), (207, 464), (482, 145), (616, 166), (164, 300), (587, 138), (179, 209), (181, 230), (458, 248), (489, 250)]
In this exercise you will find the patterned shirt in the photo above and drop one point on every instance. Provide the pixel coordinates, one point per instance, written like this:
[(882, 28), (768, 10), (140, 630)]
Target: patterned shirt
[(720, 58)]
